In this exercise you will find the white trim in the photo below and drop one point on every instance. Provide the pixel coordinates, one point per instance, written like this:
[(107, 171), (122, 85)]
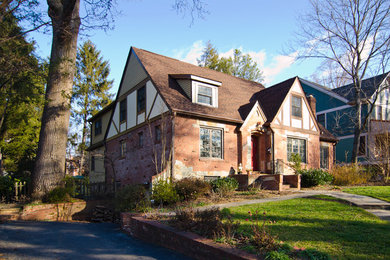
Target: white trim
[(253, 110), (209, 81), (350, 136), (333, 109), (324, 90)]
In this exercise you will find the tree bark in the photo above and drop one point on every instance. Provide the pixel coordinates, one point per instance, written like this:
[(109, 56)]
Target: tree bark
[(50, 162)]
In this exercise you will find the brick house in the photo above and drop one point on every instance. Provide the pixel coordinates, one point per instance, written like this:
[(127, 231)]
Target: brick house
[(181, 120)]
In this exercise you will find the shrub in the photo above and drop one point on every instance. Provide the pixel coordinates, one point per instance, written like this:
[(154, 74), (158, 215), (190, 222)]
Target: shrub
[(261, 239), (207, 223), (224, 187), (352, 174), (58, 195), (191, 188), (164, 192), (6, 187), (296, 162), (315, 177), (132, 197)]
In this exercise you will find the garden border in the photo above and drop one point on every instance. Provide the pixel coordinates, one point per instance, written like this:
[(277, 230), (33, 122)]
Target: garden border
[(187, 243)]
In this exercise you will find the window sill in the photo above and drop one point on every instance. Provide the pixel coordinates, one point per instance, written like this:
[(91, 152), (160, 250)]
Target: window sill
[(211, 159)]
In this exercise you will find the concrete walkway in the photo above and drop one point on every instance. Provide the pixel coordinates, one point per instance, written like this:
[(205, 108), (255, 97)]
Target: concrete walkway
[(377, 207)]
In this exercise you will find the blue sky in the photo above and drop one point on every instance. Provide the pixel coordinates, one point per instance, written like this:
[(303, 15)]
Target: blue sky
[(261, 28)]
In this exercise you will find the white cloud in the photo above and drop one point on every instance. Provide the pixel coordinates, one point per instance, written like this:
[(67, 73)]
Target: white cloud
[(190, 54), (278, 64), (270, 69)]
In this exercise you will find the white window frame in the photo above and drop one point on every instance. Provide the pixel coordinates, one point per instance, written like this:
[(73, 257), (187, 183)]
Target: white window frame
[(222, 143), (195, 92)]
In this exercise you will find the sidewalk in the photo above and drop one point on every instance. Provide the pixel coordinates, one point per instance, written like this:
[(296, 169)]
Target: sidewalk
[(377, 207)]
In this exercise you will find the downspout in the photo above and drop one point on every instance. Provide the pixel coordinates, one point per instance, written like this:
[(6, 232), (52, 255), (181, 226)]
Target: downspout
[(273, 151), (173, 145)]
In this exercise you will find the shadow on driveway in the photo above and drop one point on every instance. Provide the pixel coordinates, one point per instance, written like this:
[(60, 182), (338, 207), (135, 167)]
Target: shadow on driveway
[(58, 240)]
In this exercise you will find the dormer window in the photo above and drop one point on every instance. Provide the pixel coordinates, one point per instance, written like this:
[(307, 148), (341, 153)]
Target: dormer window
[(199, 90), (205, 94)]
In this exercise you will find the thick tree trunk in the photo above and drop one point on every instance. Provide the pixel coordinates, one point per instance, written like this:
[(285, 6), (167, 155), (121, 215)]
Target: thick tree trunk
[(50, 162)]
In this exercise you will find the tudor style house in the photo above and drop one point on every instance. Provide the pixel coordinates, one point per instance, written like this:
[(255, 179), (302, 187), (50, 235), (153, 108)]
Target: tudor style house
[(335, 108), (181, 120)]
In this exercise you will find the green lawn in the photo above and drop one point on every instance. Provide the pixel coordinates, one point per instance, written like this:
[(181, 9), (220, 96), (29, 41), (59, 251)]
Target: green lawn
[(379, 192), (342, 231)]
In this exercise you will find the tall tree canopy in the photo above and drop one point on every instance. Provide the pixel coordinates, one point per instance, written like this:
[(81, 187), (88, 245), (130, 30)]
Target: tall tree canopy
[(22, 80), (91, 90), (354, 37), (239, 65)]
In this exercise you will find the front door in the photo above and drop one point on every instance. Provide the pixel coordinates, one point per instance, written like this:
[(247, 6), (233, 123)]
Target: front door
[(255, 153)]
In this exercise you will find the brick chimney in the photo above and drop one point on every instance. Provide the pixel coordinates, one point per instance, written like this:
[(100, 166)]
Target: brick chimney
[(312, 102)]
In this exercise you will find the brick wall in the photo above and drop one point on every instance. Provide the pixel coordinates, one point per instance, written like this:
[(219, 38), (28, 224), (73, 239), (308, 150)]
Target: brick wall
[(190, 244), (187, 161), (138, 165)]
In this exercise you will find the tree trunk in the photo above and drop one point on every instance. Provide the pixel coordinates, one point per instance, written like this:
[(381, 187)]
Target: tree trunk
[(358, 128), (50, 162)]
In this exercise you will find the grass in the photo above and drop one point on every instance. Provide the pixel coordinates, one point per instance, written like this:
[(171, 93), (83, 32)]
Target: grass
[(342, 231), (379, 192)]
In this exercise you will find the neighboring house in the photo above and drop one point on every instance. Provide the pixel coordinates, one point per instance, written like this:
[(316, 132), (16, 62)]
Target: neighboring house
[(181, 120), (335, 108), (99, 124)]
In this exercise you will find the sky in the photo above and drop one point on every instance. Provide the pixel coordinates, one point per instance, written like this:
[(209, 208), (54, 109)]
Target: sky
[(262, 28)]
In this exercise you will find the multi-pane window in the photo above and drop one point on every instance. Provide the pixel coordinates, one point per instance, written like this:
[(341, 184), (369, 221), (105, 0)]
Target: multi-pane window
[(141, 99), (98, 126), (211, 142), (296, 106), (157, 133), (296, 146), (140, 139), (123, 149), (123, 110), (362, 146), (205, 95), (324, 157)]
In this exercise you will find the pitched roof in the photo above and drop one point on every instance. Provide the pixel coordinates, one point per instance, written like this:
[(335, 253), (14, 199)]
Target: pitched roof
[(327, 136), (270, 99), (369, 86), (232, 93)]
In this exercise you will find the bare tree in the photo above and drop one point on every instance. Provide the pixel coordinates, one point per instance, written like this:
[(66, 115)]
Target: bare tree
[(354, 35)]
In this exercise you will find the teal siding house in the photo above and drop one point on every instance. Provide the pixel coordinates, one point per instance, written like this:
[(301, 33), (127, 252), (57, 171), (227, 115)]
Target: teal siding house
[(335, 110)]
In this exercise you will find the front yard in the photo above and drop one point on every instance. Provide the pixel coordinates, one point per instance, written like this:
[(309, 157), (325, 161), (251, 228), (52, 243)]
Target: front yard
[(329, 226), (379, 192)]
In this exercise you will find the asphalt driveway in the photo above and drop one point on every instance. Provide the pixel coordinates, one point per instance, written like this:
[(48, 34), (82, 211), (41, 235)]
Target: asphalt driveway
[(57, 240)]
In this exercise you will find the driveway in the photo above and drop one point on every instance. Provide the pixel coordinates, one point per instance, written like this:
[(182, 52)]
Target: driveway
[(57, 240)]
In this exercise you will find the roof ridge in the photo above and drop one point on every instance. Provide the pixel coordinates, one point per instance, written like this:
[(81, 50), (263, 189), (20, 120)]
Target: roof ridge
[(260, 85)]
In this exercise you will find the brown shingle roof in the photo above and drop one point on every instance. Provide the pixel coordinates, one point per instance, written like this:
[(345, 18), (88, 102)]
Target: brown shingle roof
[(232, 93), (270, 99), (326, 136)]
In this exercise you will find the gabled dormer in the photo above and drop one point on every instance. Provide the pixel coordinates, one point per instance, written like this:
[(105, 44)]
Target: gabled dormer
[(199, 90)]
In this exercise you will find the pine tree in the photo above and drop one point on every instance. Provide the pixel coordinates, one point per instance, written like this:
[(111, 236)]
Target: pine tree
[(90, 92)]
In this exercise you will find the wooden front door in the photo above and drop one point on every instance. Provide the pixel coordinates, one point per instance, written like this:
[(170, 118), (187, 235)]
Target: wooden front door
[(255, 153)]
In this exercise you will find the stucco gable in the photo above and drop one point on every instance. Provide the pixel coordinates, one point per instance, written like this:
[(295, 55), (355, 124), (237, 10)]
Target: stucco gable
[(256, 116)]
